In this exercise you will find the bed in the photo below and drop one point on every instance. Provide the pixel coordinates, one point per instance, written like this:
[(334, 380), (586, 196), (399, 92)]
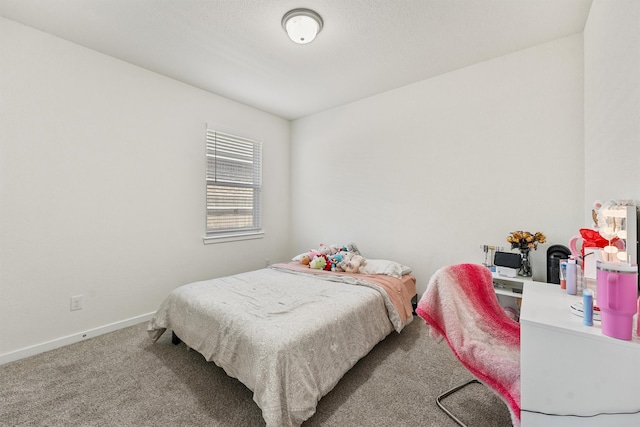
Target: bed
[(289, 333)]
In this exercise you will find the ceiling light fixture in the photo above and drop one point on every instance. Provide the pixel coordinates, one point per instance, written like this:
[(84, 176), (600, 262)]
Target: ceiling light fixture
[(302, 25)]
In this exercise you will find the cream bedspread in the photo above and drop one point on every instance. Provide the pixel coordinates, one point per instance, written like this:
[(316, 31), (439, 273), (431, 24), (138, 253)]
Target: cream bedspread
[(288, 336)]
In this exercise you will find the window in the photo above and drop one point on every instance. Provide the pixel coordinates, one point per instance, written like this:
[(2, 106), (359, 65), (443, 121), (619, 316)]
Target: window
[(234, 187)]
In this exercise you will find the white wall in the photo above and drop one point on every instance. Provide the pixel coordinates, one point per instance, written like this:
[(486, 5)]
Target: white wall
[(101, 167), (102, 191), (427, 173), (612, 101)]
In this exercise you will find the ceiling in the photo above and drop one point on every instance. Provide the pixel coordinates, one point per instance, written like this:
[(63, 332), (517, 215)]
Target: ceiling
[(238, 49)]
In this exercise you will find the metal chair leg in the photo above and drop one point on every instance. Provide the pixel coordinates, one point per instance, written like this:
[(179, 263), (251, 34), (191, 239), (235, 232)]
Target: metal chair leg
[(449, 393)]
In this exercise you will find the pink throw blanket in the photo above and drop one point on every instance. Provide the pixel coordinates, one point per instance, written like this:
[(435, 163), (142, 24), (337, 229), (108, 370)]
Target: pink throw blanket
[(460, 305)]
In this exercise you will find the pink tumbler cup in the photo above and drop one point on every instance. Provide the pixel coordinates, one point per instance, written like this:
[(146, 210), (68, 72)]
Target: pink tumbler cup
[(638, 325), (617, 290)]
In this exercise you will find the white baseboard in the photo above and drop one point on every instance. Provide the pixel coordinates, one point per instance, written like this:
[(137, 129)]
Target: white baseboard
[(71, 339)]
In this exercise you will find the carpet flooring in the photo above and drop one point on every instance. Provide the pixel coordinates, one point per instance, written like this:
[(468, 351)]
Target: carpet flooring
[(123, 379)]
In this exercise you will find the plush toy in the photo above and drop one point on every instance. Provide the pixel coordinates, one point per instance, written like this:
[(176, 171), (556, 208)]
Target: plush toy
[(324, 249), (313, 253), (328, 264), (335, 260), (346, 257), (351, 247), (318, 263), (354, 263)]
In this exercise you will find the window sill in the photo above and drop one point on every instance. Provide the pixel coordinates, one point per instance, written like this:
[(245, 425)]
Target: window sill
[(223, 238)]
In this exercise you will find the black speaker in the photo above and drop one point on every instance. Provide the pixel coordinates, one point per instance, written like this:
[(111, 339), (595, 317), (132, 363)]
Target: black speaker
[(554, 254)]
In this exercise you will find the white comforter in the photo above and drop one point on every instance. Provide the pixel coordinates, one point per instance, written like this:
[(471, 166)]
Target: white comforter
[(289, 337)]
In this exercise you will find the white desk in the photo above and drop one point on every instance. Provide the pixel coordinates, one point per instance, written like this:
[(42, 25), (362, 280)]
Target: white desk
[(569, 368)]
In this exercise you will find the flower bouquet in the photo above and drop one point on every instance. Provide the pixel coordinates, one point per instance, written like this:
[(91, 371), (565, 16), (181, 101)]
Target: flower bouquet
[(524, 241)]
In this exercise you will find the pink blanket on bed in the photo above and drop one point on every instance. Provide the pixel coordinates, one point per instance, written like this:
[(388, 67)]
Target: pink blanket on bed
[(461, 306), (400, 291)]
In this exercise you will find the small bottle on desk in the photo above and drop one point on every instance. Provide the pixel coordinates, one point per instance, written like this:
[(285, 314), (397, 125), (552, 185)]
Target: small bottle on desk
[(587, 307), (563, 274), (572, 271)]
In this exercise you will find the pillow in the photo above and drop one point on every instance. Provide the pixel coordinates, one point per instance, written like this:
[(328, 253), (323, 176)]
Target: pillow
[(299, 257), (383, 266)]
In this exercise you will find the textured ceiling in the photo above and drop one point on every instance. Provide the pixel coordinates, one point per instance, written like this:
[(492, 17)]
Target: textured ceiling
[(237, 48)]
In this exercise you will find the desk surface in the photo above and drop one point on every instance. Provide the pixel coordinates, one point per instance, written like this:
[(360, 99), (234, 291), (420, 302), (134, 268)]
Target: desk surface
[(571, 374), (546, 305)]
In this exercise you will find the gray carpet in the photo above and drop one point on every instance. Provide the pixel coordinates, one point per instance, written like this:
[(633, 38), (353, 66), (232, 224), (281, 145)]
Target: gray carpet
[(122, 379)]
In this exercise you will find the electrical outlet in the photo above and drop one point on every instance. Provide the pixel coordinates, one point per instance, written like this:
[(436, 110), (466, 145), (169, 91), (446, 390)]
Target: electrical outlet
[(76, 303)]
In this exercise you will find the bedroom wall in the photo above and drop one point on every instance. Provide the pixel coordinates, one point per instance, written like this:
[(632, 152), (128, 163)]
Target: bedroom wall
[(102, 191), (428, 173), (612, 101)]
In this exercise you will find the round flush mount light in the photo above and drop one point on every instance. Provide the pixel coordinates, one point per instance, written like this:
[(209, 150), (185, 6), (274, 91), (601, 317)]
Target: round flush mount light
[(302, 25)]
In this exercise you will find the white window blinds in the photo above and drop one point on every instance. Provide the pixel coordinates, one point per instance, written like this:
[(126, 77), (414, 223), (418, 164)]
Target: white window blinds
[(234, 185)]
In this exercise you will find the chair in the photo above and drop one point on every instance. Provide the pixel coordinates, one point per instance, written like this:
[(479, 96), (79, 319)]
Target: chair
[(460, 306)]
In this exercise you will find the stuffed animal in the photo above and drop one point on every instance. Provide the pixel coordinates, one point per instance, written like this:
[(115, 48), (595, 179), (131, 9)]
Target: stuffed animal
[(346, 257), (324, 249), (354, 263), (335, 260), (318, 263), (328, 264), (305, 260), (351, 247), (313, 253)]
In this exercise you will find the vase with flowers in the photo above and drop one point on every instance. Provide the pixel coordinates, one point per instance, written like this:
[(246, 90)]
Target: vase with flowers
[(524, 241)]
